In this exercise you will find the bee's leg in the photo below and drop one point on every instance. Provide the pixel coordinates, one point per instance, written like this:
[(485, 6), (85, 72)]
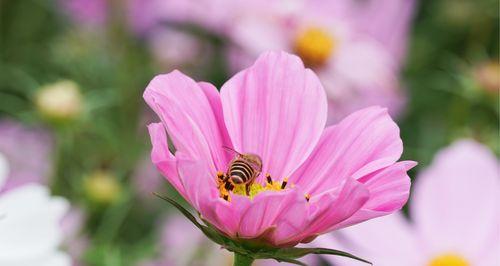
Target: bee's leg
[(225, 178), (228, 186)]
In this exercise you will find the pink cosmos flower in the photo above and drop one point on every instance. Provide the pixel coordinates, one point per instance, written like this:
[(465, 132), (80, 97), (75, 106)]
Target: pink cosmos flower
[(455, 215), (319, 179)]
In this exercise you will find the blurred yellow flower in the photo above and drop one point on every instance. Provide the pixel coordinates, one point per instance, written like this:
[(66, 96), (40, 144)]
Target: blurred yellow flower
[(102, 187)]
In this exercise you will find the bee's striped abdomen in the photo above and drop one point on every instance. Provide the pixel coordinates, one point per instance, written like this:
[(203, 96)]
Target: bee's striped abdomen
[(240, 171)]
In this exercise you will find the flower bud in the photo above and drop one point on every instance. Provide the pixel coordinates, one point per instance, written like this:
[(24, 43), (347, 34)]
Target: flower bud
[(102, 187), (60, 101)]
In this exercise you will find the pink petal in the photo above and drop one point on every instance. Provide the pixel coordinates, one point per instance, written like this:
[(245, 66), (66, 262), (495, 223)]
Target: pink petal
[(275, 109), (324, 213), (189, 117), (455, 201), (213, 97), (266, 209), (389, 190), (365, 141), (387, 241), (162, 158), (198, 183)]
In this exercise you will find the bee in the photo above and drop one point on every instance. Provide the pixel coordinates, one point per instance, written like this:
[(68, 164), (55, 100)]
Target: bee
[(243, 169)]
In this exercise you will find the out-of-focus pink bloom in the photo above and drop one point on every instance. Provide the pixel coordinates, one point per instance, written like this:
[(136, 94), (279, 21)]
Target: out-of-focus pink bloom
[(276, 109), (356, 47), (75, 243), (214, 15), (28, 153), (455, 212), (86, 12), (182, 244), (146, 179), (173, 49)]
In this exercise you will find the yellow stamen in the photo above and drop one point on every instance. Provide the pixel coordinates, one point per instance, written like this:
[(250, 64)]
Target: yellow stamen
[(225, 187), (269, 179), (314, 45), (283, 184), (449, 259), (308, 197)]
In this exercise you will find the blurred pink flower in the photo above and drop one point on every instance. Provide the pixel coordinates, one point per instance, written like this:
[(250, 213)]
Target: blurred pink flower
[(276, 109), (75, 242), (18, 141), (86, 12), (356, 47), (182, 244), (146, 179), (455, 212), (214, 15), (172, 48)]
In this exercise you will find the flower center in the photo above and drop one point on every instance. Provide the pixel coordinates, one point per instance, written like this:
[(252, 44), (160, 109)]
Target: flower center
[(449, 259), (225, 186), (314, 45)]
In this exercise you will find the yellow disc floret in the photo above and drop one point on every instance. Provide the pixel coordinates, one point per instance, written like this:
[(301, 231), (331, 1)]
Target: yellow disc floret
[(314, 45), (449, 260), (225, 187)]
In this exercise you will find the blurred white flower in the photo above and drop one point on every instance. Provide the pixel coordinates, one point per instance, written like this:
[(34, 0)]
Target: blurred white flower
[(30, 231)]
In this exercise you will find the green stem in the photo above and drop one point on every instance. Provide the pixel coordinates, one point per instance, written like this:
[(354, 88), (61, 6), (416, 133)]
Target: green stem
[(242, 260)]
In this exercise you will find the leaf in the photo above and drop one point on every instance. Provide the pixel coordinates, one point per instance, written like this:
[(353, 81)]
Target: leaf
[(181, 209), (207, 231), (292, 261), (300, 252)]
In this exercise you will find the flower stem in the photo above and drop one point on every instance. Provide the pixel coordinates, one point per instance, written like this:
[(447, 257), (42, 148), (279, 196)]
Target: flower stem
[(242, 260)]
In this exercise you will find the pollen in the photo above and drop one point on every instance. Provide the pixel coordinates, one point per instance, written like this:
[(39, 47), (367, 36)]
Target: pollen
[(314, 45), (449, 260), (226, 187)]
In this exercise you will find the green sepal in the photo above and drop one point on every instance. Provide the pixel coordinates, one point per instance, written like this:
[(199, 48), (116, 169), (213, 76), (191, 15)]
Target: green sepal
[(249, 249)]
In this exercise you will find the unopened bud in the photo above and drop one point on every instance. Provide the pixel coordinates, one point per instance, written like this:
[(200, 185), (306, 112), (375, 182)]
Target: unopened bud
[(102, 187), (60, 101)]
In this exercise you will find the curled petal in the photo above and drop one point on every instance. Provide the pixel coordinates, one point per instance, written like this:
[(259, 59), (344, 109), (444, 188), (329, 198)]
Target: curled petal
[(162, 158), (389, 190), (189, 117)]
